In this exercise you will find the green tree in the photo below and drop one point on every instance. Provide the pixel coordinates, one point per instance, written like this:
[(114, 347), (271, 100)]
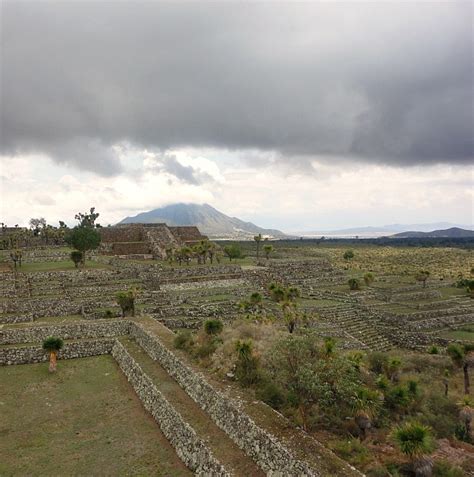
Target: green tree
[(233, 251), (52, 345), (83, 239), (415, 441), (87, 219), (462, 357), (76, 257)]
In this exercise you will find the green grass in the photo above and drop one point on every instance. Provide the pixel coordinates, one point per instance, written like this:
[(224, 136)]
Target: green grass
[(83, 420), (59, 266), (458, 335), (56, 320)]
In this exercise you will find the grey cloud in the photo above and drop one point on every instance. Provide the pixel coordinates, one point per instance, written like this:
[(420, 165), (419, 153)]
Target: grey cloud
[(388, 82), (169, 164)]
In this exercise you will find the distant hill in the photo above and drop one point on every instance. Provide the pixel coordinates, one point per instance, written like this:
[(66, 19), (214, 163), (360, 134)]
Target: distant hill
[(209, 220), (453, 232), (381, 231)]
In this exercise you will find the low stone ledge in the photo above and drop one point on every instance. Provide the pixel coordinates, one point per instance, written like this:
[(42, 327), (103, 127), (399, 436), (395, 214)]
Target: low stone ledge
[(258, 444), (78, 330), (36, 354), (189, 447)]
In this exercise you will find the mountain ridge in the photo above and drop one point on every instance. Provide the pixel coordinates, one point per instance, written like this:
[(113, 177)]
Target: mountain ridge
[(385, 230), (453, 232), (209, 221)]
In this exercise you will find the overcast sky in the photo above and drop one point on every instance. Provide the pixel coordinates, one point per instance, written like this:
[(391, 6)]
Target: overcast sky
[(292, 115)]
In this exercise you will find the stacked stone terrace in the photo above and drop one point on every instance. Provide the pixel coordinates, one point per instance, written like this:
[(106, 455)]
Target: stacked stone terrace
[(146, 240), (210, 431)]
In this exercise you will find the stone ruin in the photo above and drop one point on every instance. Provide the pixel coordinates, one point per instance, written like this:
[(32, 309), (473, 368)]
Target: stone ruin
[(146, 240)]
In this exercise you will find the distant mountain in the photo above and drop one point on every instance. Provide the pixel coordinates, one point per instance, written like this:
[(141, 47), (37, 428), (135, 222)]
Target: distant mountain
[(210, 221), (453, 232), (383, 230)]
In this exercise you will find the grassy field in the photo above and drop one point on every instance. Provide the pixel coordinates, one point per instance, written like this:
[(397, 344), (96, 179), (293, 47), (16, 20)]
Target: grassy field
[(58, 266), (83, 420)]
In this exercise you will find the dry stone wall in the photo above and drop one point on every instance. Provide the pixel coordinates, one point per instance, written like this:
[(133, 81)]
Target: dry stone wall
[(263, 448), (78, 330), (35, 354), (191, 450)]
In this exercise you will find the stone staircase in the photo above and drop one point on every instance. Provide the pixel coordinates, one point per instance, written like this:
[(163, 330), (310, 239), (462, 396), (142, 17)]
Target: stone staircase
[(160, 238)]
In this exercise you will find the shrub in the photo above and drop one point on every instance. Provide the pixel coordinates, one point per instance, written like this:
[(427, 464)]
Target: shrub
[(397, 398), (352, 450), (233, 251), (348, 255), (108, 314), (183, 340), (126, 301), (433, 350), (377, 362), (271, 394), (379, 471), (460, 432), (443, 468), (206, 349), (213, 327), (353, 284), (369, 278), (441, 414), (76, 257)]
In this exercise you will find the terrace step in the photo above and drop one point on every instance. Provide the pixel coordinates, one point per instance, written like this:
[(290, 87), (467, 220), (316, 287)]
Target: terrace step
[(222, 447)]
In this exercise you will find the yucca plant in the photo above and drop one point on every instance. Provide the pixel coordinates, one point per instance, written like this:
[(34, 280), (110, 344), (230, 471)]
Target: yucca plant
[(466, 414), (366, 406), (52, 345), (416, 442)]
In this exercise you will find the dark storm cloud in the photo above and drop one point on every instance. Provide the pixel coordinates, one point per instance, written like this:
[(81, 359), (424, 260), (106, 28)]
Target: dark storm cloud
[(383, 82)]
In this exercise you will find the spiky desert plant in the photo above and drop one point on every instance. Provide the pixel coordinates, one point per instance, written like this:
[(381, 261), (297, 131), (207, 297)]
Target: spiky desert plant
[(366, 406), (466, 414), (416, 442), (52, 345), (462, 357)]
